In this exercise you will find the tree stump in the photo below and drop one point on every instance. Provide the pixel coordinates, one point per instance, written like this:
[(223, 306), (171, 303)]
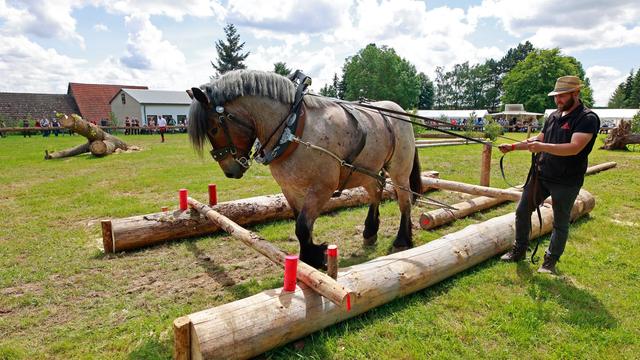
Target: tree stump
[(619, 137), (100, 143)]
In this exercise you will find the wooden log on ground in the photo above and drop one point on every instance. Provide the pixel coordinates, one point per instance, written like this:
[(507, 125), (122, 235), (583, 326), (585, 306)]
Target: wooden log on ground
[(620, 136), (251, 326), (318, 281), (144, 230), (471, 189), (100, 143), (438, 217), (77, 150)]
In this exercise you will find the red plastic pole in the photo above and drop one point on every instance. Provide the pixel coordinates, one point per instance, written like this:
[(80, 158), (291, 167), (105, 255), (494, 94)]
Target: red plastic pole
[(183, 199), (213, 195), (290, 272)]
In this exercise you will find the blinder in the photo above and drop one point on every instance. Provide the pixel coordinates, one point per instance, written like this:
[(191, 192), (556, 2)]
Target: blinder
[(230, 149)]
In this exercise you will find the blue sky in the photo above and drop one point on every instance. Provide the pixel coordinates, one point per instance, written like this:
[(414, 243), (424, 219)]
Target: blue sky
[(165, 44)]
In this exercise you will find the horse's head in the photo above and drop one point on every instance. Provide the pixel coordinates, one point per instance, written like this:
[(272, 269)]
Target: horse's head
[(228, 129)]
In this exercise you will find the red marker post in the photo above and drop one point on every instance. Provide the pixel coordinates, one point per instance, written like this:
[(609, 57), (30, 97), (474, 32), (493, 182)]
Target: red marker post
[(332, 261), (290, 272), (213, 195), (183, 199)]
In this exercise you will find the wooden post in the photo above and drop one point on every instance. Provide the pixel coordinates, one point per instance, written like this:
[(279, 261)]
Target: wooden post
[(248, 327), (485, 168), (107, 236), (182, 338), (313, 278), (332, 261)]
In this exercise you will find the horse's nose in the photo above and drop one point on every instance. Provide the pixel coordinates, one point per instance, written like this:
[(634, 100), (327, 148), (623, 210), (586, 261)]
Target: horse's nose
[(233, 175)]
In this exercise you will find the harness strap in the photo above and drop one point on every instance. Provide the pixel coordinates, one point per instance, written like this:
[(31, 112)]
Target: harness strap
[(392, 136), (353, 115)]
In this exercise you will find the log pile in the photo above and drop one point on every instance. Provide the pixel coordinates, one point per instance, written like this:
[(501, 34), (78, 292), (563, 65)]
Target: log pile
[(621, 136), (145, 230), (99, 142), (248, 327)]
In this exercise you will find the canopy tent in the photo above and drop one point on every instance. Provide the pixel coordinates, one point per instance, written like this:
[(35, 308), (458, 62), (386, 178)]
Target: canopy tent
[(608, 117), (516, 115)]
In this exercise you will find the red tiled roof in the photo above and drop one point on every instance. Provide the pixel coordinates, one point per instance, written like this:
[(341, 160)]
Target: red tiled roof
[(93, 99)]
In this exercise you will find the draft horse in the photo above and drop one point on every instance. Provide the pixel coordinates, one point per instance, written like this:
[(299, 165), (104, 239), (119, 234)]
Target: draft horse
[(242, 106)]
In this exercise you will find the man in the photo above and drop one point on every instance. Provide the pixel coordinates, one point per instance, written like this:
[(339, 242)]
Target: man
[(162, 126), (563, 147)]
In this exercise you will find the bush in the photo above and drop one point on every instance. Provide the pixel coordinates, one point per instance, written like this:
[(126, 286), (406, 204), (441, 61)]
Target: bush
[(635, 123), (492, 129)]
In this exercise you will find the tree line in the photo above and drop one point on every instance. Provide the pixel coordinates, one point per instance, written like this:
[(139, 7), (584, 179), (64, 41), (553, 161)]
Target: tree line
[(627, 94), (524, 75)]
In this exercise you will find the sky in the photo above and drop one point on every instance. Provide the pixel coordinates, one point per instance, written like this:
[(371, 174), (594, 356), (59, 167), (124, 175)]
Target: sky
[(169, 45)]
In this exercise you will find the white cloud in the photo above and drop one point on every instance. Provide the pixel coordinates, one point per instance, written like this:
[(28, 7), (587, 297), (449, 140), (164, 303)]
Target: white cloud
[(604, 81), (146, 48), (27, 67), (100, 27), (45, 19), (170, 8)]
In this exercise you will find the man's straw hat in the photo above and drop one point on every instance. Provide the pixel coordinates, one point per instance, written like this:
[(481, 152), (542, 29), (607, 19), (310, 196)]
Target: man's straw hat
[(566, 84)]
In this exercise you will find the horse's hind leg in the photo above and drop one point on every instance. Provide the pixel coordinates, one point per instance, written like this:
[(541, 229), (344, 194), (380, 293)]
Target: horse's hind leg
[(311, 253), (403, 240), (372, 223)]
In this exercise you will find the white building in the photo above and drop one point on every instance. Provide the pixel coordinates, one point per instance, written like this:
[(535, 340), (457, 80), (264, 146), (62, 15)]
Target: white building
[(148, 105), (608, 117)]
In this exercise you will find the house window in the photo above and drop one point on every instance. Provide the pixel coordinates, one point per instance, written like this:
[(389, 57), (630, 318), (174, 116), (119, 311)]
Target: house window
[(123, 98)]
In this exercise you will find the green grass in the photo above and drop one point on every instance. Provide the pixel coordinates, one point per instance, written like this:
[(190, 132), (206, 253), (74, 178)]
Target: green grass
[(61, 298)]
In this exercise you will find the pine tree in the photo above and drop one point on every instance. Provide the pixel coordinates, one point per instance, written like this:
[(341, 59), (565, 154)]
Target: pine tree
[(230, 56), (281, 68)]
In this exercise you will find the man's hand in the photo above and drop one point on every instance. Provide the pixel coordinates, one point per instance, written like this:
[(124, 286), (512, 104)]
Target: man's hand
[(535, 146), (505, 148)]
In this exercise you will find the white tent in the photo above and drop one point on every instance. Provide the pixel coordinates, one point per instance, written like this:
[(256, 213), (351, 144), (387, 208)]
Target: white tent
[(451, 115), (608, 117)]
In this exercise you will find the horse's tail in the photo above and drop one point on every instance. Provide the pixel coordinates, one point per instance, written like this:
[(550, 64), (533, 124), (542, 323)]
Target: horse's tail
[(198, 125), (415, 179)]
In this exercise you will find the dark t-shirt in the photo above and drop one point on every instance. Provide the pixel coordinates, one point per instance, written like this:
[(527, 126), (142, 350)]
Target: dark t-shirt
[(558, 129)]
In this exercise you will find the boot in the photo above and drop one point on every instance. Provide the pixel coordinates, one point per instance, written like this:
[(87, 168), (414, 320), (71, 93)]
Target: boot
[(517, 253), (548, 265)]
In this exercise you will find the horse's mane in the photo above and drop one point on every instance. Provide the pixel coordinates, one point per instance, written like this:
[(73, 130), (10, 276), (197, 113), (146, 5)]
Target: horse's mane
[(238, 83)]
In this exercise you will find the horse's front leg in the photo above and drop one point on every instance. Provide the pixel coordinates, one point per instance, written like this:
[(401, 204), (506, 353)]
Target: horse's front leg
[(372, 223), (311, 253)]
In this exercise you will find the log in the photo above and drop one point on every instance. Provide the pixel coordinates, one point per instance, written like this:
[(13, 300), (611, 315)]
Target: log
[(251, 326), (438, 217), (319, 282), (485, 167), (77, 150), (471, 189), (144, 230), (620, 136), (100, 142)]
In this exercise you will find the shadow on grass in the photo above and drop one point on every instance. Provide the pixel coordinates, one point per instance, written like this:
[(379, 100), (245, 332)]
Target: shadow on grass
[(583, 309), (214, 271)]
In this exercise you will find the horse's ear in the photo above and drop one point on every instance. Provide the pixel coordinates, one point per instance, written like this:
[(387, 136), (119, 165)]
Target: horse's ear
[(200, 96), (190, 93)]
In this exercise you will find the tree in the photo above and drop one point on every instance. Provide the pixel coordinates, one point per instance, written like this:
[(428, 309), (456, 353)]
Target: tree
[(427, 92), (627, 94), (532, 79), (331, 90), (281, 68), (380, 74), (230, 56)]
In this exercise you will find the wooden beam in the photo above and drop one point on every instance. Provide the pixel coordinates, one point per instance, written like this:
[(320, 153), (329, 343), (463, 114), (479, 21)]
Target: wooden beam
[(485, 166), (318, 281), (471, 189), (251, 326)]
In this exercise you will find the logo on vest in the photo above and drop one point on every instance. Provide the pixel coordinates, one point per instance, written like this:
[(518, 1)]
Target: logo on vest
[(565, 126)]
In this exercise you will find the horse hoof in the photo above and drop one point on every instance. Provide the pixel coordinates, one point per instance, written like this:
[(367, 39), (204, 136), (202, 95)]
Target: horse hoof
[(370, 241), (396, 249)]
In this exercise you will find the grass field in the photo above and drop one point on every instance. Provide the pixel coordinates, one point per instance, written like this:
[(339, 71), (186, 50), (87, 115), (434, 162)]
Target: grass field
[(62, 298)]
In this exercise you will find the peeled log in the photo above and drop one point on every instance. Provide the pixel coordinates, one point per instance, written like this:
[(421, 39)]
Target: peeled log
[(471, 189), (138, 231), (438, 217), (77, 150), (318, 281), (272, 318)]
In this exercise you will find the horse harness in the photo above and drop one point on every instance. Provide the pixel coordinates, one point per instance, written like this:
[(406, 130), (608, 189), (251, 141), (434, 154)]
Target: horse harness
[(230, 149)]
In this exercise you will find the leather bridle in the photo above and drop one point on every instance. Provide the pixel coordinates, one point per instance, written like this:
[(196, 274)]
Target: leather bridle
[(230, 149)]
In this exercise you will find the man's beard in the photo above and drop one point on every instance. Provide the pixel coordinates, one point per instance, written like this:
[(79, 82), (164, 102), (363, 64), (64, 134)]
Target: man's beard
[(567, 105)]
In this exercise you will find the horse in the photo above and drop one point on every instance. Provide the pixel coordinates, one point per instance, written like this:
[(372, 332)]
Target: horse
[(244, 105)]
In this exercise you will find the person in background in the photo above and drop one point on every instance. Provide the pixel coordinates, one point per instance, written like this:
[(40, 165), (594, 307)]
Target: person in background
[(56, 126), (127, 126), (162, 126), (25, 124), (562, 149)]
